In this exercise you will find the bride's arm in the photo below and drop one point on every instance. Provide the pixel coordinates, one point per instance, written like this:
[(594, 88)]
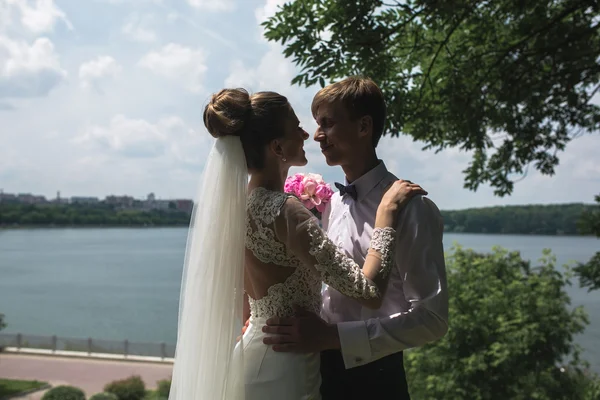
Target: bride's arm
[(299, 230)]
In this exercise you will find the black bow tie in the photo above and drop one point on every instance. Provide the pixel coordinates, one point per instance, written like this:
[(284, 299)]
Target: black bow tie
[(349, 190)]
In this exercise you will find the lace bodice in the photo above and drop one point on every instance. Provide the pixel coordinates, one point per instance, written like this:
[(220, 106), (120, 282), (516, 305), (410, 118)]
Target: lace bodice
[(263, 207), (282, 233)]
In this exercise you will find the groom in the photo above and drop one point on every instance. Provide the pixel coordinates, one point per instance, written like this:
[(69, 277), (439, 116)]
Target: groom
[(361, 349)]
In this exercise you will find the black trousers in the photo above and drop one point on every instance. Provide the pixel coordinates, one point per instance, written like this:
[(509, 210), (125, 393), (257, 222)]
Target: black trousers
[(380, 380)]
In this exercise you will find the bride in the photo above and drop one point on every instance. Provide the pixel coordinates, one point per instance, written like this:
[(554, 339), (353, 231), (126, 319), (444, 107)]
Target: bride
[(255, 252)]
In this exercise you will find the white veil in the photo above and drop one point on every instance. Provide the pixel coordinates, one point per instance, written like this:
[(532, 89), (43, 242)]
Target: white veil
[(211, 301)]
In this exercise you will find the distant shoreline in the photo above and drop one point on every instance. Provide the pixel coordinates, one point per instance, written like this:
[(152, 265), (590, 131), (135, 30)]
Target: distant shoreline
[(58, 227), (554, 220)]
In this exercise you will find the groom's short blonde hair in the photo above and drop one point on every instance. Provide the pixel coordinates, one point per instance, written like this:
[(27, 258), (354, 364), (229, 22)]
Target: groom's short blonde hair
[(360, 96)]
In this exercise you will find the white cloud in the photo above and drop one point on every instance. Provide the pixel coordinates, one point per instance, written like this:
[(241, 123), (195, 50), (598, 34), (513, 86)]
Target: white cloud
[(41, 16), (179, 63), (5, 16), (268, 10), (136, 28), (213, 5), (173, 16), (129, 137), (168, 138), (28, 70), (133, 2), (273, 72), (92, 72)]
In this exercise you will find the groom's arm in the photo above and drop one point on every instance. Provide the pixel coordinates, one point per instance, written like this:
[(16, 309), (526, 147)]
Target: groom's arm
[(420, 261)]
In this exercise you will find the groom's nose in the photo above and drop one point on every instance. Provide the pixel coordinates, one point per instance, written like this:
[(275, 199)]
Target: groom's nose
[(319, 135)]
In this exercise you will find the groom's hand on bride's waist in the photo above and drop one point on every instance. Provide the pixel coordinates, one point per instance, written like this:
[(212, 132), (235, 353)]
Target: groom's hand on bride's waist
[(306, 332), (244, 329)]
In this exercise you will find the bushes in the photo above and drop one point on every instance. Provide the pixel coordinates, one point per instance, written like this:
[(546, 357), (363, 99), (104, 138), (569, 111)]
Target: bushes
[(164, 387), (511, 329), (132, 388), (64, 393), (104, 396)]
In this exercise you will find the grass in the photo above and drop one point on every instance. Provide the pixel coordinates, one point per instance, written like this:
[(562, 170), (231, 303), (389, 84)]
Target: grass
[(11, 387)]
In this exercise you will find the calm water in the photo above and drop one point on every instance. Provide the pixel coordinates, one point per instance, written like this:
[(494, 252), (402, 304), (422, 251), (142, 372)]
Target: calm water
[(124, 283)]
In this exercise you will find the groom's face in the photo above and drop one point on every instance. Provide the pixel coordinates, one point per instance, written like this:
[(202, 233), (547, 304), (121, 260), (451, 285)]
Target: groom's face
[(337, 133)]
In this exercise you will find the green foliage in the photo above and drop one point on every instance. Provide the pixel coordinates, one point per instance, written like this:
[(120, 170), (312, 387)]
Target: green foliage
[(96, 215), (511, 327), (551, 219), (64, 393), (589, 273), (2, 323), (132, 388), (104, 396), (164, 386), (511, 81)]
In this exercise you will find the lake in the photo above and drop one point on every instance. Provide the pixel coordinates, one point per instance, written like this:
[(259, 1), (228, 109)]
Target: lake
[(120, 284)]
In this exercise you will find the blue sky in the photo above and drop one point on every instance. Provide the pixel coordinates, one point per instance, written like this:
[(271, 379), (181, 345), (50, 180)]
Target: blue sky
[(102, 97)]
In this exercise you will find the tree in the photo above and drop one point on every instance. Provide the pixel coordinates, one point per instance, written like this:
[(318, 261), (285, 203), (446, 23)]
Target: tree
[(509, 338), (589, 273), (509, 80)]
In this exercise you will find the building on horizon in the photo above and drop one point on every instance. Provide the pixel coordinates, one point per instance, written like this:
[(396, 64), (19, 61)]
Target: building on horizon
[(28, 198), (84, 200), (120, 201), (184, 205)]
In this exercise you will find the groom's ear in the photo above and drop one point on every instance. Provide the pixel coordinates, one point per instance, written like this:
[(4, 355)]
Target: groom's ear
[(366, 126)]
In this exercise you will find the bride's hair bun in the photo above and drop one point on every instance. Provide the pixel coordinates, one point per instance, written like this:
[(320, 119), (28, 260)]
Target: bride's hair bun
[(228, 113)]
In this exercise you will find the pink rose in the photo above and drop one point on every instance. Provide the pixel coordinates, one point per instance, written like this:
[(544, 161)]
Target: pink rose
[(311, 189), (324, 193), (293, 185)]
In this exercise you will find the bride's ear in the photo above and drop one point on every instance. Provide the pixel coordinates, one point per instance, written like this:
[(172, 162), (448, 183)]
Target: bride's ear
[(276, 148)]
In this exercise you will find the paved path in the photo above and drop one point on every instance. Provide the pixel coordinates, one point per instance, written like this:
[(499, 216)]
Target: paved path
[(88, 374)]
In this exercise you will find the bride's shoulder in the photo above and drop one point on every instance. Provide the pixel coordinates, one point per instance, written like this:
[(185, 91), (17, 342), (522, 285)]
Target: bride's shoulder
[(266, 204), (260, 194)]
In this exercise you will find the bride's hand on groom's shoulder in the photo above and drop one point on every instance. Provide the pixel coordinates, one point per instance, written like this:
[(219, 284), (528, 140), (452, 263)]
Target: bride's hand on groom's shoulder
[(400, 192), (306, 332)]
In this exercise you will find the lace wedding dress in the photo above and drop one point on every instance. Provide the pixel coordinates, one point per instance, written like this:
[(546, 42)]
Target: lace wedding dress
[(287, 258)]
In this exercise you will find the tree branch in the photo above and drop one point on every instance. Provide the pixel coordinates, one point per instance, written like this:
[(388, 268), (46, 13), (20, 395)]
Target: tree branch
[(437, 53), (519, 43), (394, 30)]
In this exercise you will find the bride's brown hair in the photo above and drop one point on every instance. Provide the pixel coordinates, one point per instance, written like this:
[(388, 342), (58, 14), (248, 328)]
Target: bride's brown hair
[(257, 119)]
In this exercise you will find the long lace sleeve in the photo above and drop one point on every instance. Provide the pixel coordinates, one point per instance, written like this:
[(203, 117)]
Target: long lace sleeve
[(299, 230)]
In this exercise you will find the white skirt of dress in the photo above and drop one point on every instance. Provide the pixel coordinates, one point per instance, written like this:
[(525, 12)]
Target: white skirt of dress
[(277, 376)]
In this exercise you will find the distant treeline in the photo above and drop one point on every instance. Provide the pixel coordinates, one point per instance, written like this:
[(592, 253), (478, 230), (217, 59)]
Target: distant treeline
[(86, 215), (558, 219), (555, 219)]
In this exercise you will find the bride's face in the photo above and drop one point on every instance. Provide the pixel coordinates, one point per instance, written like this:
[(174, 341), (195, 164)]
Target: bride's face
[(292, 142)]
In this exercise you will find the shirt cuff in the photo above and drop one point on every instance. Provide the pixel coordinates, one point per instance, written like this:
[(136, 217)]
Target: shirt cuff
[(354, 343)]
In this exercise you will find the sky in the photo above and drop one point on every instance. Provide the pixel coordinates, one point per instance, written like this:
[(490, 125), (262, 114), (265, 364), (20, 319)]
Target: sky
[(101, 97)]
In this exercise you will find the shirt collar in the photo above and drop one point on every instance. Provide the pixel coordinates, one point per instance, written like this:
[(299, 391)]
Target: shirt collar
[(369, 180)]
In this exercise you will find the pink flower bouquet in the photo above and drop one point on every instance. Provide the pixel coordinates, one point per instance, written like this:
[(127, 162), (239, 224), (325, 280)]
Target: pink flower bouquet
[(311, 189)]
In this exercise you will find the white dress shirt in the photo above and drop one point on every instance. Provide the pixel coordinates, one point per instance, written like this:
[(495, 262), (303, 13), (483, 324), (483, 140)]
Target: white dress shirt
[(415, 306)]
